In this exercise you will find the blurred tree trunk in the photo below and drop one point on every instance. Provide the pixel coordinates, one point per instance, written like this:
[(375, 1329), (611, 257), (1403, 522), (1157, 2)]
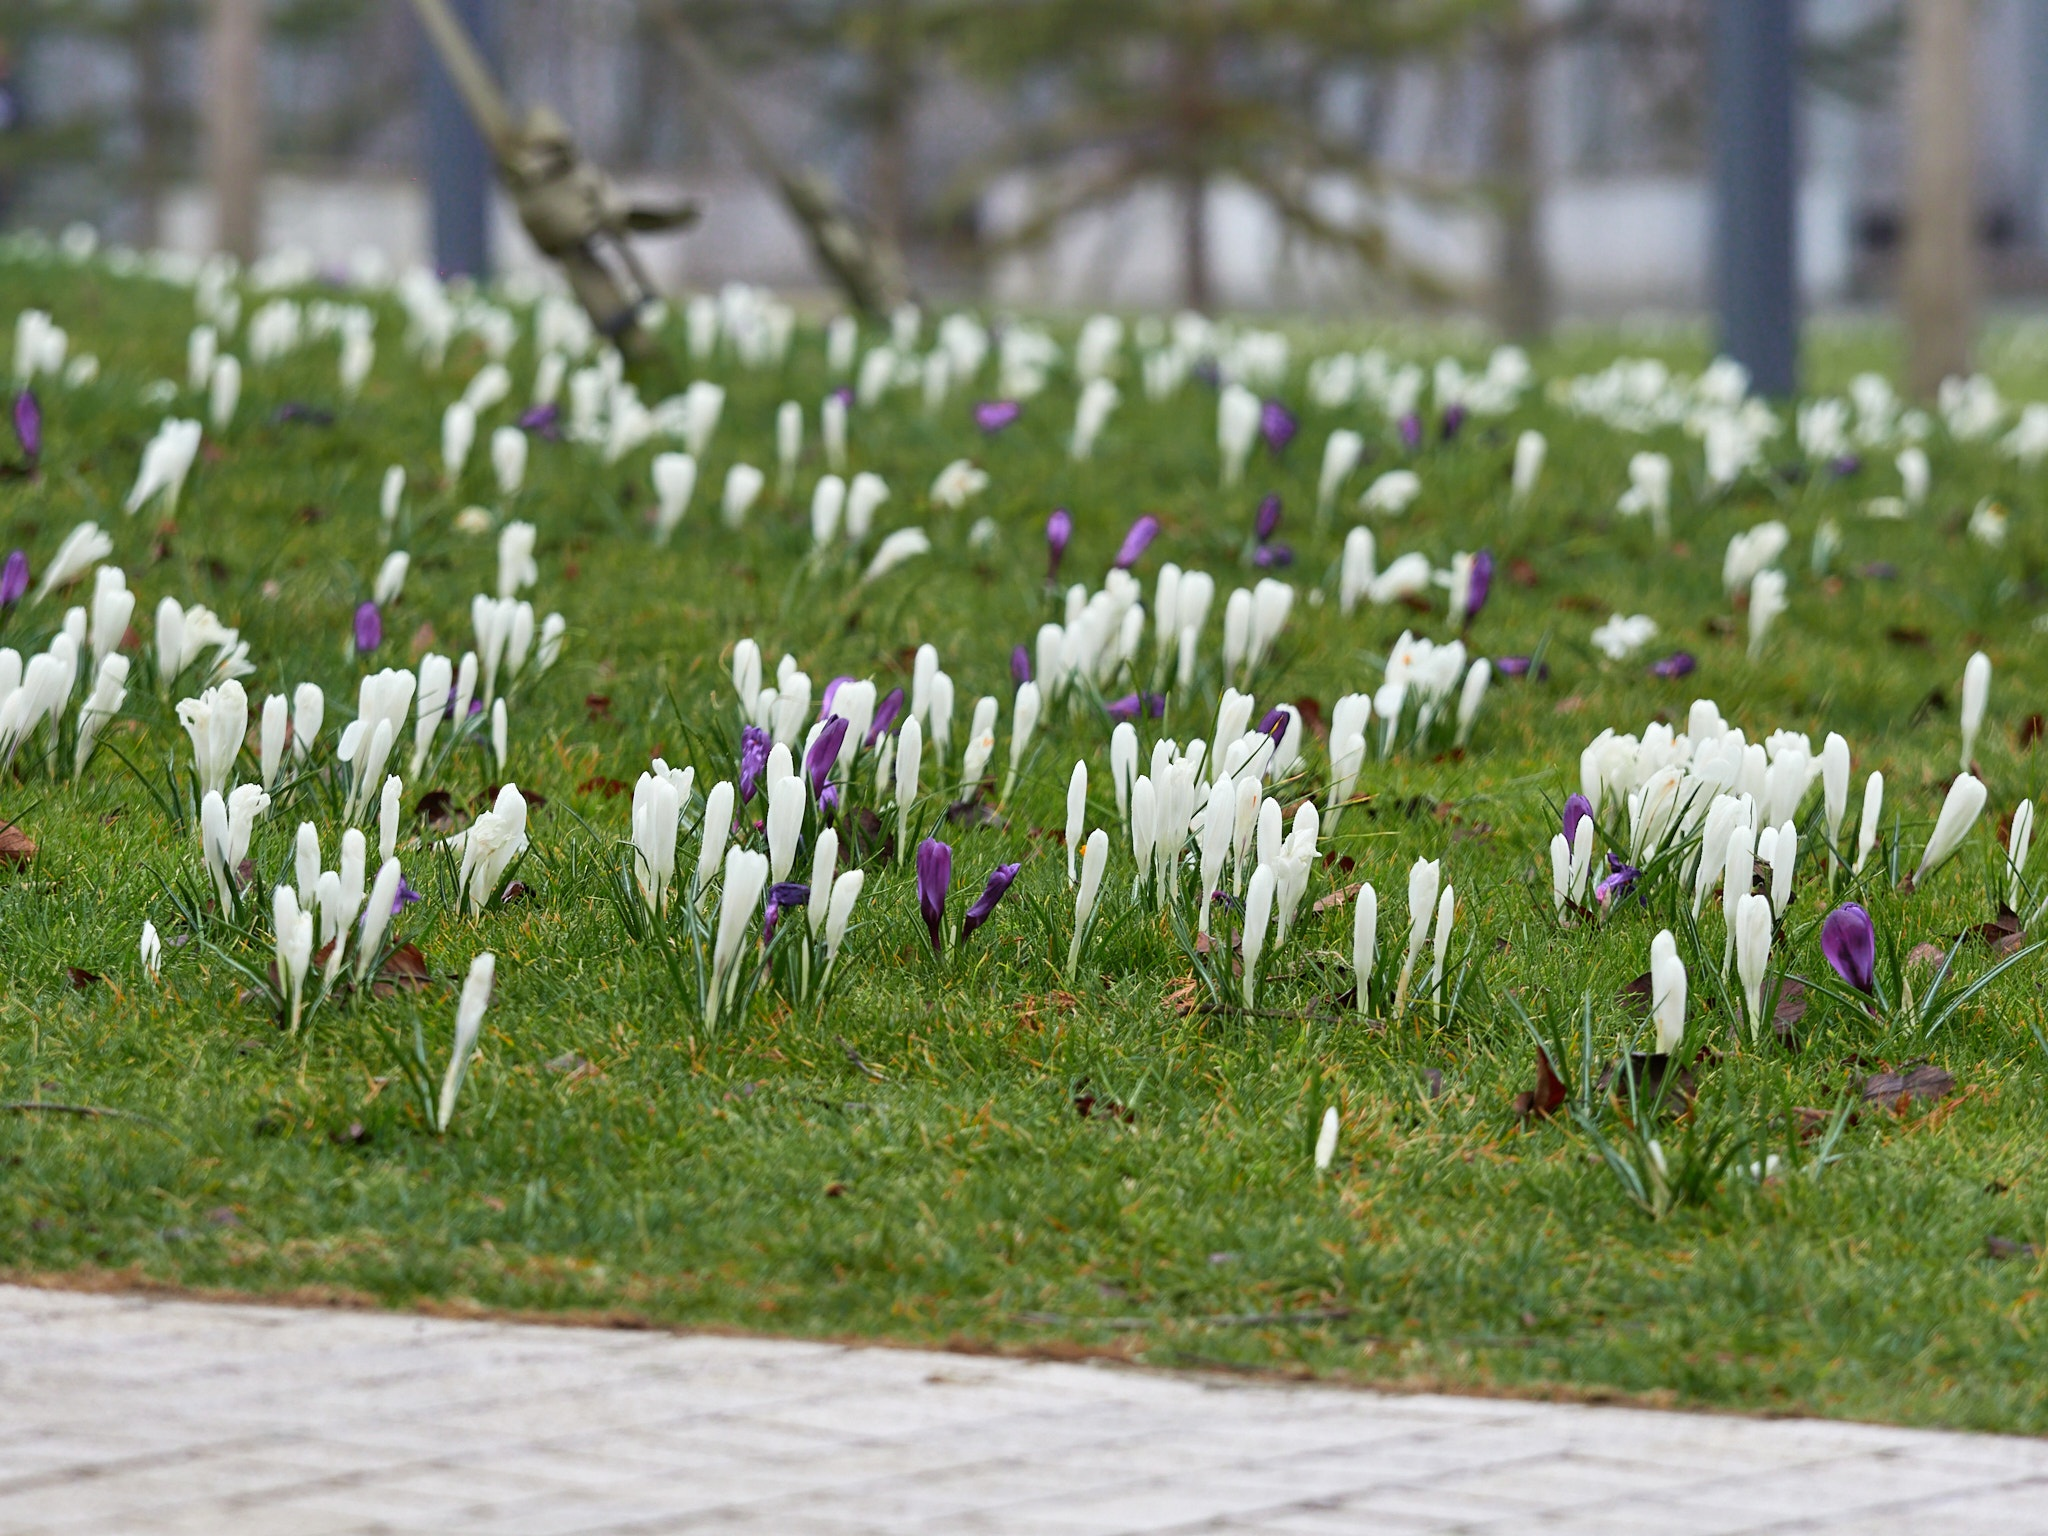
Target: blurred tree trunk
[(1938, 287), (1522, 292), (154, 114), (889, 125), (234, 122), (1194, 68)]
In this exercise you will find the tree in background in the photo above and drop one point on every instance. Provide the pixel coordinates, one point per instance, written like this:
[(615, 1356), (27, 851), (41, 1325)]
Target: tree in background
[(1188, 94)]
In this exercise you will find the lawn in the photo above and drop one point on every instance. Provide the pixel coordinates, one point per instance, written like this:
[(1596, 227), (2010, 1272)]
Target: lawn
[(983, 1149)]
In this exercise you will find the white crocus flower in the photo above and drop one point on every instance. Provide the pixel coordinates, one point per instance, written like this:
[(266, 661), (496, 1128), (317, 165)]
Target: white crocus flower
[(785, 823), (1392, 493), (904, 544), (1753, 955), (957, 483), (1959, 813), (1531, 448), (390, 808), (83, 548), (1914, 475), (746, 877), (1424, 880), (1649, 491), (508, 460), (458, 436), (294, 936), (1867, 826), (469, 1023), (377, 917), (1782, 858), (743, 485), (1326, 1140), (1094, 861), (1077, 817), (713, 833), (1834, 784), (517, 568), (1976, 696), (675, 482), (845, 892), (866, 493), (909, 759), (1341, 455), (1357, 569), (1440, 944), (391, 495), (1620, 638), (152, 952), (216, 722), (828, 504), (113, 605), (832, 428), (224, 393), (166, 461), (1258, 912), (1092, 411), (390, 580), (2018, 842), (489, 846), (1751, 551), (1237, 427), (1024, 721), (1365, 939), (109, 693), (276, 726), (1469, 697), (1766, 602), (789, 442)]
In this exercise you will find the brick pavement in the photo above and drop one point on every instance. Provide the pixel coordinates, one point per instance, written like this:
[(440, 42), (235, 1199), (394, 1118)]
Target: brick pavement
[(132, 1415)]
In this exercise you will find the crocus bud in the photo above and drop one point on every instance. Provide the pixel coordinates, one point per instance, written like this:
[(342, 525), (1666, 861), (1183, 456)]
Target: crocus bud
[(1976, 695), (1365, 938), (934, 875), (1867, 827), (469, 1023), (675, 482), (2017, 843), (1959, 813), (1077, 814), (152, 951), (1326, 1140), (508, 459), (1667, 992), (276, 724), (1340, 457), (1753, 955), (1094, 861), (1849, 941), (1258, 913), (1530, 450), (458, 436)]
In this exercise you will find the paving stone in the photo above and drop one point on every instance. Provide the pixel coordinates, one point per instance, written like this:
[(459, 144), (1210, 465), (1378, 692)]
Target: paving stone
[(160, 1417)]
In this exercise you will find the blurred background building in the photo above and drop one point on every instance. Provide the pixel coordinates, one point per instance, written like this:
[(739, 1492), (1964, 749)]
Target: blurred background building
[(1529, 159)]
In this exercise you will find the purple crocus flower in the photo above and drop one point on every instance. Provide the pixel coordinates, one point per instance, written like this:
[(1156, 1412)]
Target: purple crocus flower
[(1277, 425), (1273, 723), (1576, 809), (885, 716), (1846, 465), (755, 743), (1478, 584), (1617, 882), (994, 415), (1410, 428), (541, 420), (1059, 528), (1677, 664), (1454, 421), (828, 802), (299, 410), (1137, 541), (1137, 706), (998, 883), (1849, 939), (824, 753), (1020, 666), (784, 893), (369, 628), (406, 896), (14, 579), (831, 692), (1267, 521), (1520, 666), (28, 425), (1273, 557), (934, 874), (843, 394)]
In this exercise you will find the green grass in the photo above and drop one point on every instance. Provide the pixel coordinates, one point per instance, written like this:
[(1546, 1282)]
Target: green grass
[(763, 1179)]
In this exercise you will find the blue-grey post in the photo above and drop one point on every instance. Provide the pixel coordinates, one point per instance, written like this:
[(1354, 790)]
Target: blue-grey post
[(1756, 298), (458, 162)]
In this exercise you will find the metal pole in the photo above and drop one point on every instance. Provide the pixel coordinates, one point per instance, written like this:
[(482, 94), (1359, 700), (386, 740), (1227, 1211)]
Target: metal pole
[(1938, 283), (1755, 278), (458, 161)]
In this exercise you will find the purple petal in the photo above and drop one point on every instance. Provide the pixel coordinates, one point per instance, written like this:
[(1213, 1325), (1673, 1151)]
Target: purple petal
[(824, 753), (1020, 666), (1135, 706), (991, 893), (1849, 940), (542, 420), (1617, 883), (28, 425), (1677, 664), (934, 875), (1137, 541), (885, 716), (1845, 466), (1266, 522), (406, 896), (1479, 584), (1277, 425), (1059, 528), (755, 744), (369, 628), (1273, 557), (1454, 420), (1576, 809), (1410, 428), (994, 415), (14, 579), (831, 692)]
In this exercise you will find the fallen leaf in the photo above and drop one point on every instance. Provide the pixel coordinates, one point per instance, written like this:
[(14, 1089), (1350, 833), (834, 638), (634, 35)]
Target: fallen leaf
[(1925, 1082), (1336, 898), (1184, 996), (1432, 1083), (975, 813), (81, 978), (437, 809), (1089, 1107), (1522, 573), (16, 846), (1790, 1010), (2030, 731), (405, 967), (1926, 954), (1547, 1097), (1903, 635), (2003, 932), (597, 706), (834, 1190), (611, 789)]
